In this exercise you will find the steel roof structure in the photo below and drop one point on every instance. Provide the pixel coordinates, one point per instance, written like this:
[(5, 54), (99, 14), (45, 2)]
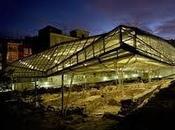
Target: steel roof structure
[(126, 48)]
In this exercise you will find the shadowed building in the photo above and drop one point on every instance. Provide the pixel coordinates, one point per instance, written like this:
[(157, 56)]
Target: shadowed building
[(50, 36), (79, 33)]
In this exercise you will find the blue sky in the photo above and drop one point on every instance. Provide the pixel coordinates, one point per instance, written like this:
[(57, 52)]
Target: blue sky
[(24, 17)]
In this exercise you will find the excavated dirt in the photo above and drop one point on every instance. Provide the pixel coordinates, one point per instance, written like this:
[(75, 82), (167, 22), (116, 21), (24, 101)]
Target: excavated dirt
[(84, 109), (105, 99)]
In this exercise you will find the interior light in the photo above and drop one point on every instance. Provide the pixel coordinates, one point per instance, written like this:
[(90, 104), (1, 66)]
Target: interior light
[(135, 75), (55, 61), (105, 78), (126, 76)]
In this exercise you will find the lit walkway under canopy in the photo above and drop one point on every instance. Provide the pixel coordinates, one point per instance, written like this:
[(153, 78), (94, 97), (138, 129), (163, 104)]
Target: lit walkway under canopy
[(124, 48)]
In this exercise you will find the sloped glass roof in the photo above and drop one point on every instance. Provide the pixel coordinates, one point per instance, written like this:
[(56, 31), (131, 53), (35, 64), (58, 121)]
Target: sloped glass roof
[(121, 47)]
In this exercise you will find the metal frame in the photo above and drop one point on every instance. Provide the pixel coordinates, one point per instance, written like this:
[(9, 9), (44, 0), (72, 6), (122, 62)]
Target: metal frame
[(97, 49)]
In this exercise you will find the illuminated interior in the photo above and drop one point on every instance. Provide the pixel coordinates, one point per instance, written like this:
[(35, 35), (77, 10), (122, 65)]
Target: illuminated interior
[(123, 53)]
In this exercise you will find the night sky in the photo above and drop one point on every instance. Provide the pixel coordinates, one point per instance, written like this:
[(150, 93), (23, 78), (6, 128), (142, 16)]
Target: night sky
[(24, 17)]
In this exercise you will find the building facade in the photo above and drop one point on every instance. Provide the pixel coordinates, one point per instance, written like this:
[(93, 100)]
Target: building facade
[(50, 36), (79, 33), (12, 50)]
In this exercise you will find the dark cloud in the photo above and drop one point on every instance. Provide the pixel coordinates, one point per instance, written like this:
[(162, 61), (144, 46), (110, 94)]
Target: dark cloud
[(140, 9), (146, 14)]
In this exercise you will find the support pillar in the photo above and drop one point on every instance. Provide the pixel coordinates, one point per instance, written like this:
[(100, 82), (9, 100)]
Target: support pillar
[(120, 77), (120, 35), (62, 95), (116, 80), (84, 76), (68, 96), (36, 94), (149, 77), (135, 39), (116, 71), (12, 84)]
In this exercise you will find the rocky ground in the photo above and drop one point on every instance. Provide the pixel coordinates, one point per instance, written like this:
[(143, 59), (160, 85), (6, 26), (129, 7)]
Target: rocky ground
[(101, 100), (156, 114), (26, 117)]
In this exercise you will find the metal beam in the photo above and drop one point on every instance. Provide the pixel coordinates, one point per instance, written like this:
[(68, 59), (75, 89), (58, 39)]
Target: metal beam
[(62, 95)]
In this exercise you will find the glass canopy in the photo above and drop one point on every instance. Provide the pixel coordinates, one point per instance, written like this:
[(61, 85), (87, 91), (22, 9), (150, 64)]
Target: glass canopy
[(126, 48)]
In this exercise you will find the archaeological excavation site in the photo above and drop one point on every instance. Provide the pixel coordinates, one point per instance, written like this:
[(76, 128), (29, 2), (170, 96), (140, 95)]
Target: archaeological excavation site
[(117, 80)]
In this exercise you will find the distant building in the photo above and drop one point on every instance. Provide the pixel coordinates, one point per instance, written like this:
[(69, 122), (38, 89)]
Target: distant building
[(33, 42), (50, 36), (24, 51), (14, 49), (11, 50), (79, 33)]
